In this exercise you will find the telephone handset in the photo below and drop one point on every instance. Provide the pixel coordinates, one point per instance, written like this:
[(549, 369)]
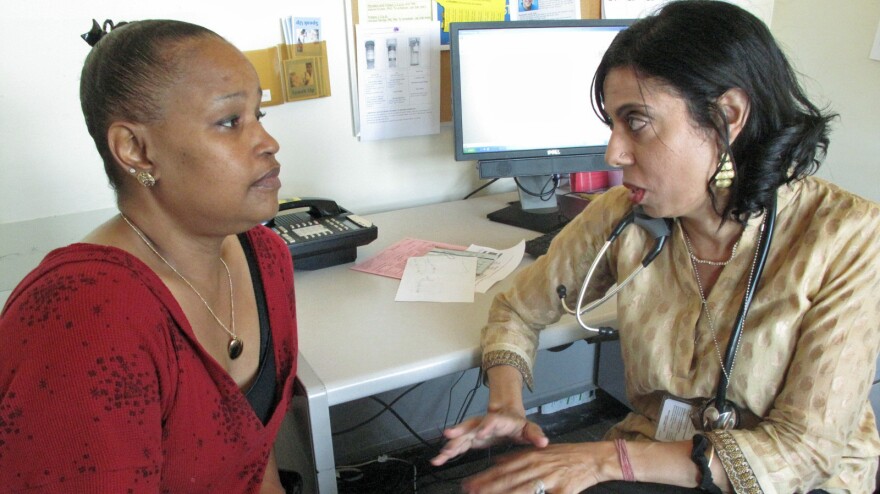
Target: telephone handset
[(320, 233)]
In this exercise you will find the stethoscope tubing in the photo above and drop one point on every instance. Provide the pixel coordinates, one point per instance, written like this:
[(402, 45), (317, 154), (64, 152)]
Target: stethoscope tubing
[(767, 229)]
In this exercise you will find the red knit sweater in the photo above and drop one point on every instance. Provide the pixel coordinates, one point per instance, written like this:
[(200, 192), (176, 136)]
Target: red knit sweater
[(104, 388)]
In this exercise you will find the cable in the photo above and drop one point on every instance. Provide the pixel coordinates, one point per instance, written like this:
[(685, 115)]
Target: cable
[(404, 423), (469, 397), (356, 474), (544, 195), (380, 412), (352, 473), (449, 401), (490, 182)]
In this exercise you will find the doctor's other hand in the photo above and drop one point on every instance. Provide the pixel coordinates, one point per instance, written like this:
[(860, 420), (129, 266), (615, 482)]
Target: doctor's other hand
[(481, 432), (559, 468)]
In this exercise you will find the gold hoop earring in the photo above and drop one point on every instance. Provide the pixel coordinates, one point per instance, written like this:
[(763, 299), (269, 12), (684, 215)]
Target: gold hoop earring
[(146, 179), (724, 174)]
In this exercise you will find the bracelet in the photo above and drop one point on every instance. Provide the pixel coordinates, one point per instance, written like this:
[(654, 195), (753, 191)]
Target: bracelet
[(698, 455), (623, 456)]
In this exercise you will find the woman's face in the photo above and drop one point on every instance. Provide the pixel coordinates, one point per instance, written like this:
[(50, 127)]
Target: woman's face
[(667, 160), (212, 158)]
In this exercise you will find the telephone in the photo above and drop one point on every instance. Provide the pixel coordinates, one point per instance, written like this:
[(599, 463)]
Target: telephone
[(320, 233)]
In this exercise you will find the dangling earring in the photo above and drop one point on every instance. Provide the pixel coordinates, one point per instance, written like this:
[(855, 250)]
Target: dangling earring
[(146, 179), (724, 174)]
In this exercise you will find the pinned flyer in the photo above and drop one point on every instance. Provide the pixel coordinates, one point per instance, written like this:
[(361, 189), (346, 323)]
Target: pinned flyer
[(398, 67)]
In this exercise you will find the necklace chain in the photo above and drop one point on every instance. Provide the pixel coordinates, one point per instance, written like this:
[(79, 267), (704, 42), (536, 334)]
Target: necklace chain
[(235, 344), (694, 258), (705, 302)]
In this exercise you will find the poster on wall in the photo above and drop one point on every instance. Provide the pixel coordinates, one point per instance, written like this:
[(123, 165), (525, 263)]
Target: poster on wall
[(394, 10), (634, 9), (536, 10), (398, 72)]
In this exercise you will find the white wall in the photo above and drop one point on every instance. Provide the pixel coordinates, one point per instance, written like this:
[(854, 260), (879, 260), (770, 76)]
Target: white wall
[(830, 41), (48, 164), (49, 167)]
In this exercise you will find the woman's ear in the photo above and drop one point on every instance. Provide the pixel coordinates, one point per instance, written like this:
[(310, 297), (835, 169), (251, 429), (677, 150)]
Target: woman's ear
[(127, 144), (735, 104)]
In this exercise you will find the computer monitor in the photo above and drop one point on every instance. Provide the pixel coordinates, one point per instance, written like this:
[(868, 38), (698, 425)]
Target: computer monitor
[(522, 106)]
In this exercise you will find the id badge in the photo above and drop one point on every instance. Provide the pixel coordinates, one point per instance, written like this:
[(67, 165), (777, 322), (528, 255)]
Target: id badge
[(675, 420)]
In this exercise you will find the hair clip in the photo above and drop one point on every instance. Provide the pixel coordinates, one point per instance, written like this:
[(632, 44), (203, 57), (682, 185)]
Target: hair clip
[(99, 31)]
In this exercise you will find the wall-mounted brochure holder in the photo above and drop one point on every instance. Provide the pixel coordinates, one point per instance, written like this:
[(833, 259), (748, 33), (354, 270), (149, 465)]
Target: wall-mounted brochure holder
[(292, 72)]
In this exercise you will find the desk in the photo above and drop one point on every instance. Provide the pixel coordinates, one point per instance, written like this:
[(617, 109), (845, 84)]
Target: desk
[(356, 341)]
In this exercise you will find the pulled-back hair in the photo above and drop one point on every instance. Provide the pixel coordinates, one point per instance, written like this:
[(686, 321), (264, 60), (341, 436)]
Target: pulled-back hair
[(124, 75), (702, 48)]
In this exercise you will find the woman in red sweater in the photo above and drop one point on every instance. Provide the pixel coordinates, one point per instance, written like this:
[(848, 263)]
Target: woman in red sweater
[(158, 354)]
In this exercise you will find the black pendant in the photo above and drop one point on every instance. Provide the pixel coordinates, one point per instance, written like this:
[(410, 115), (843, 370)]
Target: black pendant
[(235, 348)]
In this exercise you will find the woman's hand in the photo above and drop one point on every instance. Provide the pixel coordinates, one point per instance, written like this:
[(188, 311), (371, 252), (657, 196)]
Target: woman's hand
[(480, 432), (560, 468)]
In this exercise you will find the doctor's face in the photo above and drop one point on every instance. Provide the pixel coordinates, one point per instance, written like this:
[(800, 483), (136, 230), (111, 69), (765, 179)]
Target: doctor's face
[(667, 160)]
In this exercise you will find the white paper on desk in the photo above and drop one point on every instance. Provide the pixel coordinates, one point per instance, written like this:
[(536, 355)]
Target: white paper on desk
[(507, 262), (485, 259), (438, 279)]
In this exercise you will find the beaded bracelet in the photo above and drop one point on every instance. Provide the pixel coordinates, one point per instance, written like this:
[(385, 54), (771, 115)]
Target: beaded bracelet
[(698, 455)]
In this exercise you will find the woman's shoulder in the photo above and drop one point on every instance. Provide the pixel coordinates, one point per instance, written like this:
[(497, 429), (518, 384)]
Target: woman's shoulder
[(816, 200), (826, 217), (80, 272), (608, 207), (89, 301)]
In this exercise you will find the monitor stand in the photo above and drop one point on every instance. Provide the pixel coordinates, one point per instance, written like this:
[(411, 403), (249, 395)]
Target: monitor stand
[(530, 212)]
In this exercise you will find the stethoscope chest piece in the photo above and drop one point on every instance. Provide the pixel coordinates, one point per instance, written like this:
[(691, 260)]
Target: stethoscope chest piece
[(710, 418)]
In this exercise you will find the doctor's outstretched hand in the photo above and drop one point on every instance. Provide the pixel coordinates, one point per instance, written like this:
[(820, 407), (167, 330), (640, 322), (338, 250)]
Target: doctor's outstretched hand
[(494, 428), (505, 419)]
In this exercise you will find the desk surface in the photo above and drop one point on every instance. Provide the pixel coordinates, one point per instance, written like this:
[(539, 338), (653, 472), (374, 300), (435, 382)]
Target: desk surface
[(360, 342)]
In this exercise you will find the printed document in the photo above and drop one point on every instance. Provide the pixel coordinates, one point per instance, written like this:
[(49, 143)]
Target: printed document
[(398, 66)]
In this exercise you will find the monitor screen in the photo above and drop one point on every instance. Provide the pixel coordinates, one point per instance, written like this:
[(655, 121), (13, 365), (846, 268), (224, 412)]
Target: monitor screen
[(522, 89), (521, 95)]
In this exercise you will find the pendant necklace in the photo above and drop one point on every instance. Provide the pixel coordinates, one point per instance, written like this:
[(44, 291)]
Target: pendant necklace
[(704, 299), (236, 346)]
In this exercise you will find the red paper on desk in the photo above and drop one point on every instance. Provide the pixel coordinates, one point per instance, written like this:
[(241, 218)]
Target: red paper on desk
[(392, 261)]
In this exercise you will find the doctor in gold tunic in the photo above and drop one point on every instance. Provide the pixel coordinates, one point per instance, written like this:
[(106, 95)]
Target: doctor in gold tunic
[(711, 130)]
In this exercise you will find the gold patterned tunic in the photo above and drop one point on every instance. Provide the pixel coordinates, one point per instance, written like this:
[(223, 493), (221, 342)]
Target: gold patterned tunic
[(807, 353)]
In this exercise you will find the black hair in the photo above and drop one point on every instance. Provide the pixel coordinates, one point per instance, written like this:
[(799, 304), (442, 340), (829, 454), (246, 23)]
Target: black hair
[(124, 74), (700, 49)]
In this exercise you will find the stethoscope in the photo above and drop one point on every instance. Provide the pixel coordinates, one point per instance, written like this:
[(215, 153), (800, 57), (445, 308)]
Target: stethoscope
[(718, 412)]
